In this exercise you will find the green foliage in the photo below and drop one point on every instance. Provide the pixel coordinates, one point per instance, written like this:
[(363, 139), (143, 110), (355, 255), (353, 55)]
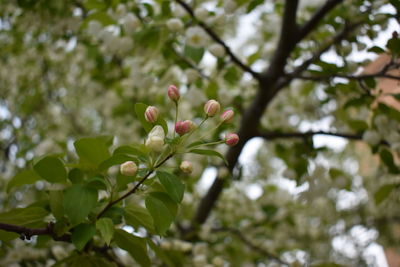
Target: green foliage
[(134, 245), (160, 211), (173, 186), (82, 234), (80, 196), (29, 217), (92, 151), (51, 169), (106, 228), (24, 177)]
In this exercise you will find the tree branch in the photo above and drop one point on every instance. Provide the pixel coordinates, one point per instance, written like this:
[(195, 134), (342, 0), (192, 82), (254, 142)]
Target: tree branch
[(135, 188), (27, 233), (311, 24), (218, 40), (287, 41), (254, 247), (278, 135)]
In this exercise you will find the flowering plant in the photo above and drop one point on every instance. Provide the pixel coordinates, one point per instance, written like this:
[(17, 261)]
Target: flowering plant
[(91, 205)]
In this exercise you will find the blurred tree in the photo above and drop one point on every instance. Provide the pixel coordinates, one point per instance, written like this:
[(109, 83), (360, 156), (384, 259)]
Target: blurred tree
[(290, 69)]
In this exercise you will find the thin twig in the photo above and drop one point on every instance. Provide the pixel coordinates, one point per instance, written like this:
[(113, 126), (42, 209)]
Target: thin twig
[(245, 240), (218, 40), (134, 189)]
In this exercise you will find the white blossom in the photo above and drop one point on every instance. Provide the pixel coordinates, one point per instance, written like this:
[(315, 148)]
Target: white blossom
[(196, 37), (371, 137), (217, 50), (175, 24)]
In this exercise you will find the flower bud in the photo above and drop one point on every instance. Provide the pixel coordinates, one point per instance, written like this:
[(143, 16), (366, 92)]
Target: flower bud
[(173, 93), (211, 108), (227, 116), (175, 24), (155, 143), (151, 114), (217, 50), (128, 168), (183, 127), (157, 131), (186, 166), (231, 139)]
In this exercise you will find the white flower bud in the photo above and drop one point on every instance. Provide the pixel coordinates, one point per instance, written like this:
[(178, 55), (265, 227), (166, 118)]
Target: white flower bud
[(371, 137), (130, 23), (175, 24), (94, 28), (157, 131), (217, 50), (155, 143), (128, 168), (201, 13), (229, 6), (196, 37), (186, 166)]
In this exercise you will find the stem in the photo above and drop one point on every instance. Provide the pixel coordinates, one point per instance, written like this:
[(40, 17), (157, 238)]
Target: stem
[(176, 116), (135, 188), (212, 130), (209, 144)]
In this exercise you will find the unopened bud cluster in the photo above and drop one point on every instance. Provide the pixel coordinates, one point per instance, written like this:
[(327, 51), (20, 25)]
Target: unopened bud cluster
[(156, 139)]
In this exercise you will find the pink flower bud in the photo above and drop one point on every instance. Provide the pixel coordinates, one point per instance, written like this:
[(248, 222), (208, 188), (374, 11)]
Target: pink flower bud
[(186, 166), (128, 168), (151, 114), (173, 93), (227, 116), (231, 139), (183, 127), (211, 108)]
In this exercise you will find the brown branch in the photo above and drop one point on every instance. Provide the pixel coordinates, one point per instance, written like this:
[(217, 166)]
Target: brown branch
[(27, 233), (254, 247), (313, 22), (135, 188), (218, 40), (348, 77), (317, 55), (278, 135)]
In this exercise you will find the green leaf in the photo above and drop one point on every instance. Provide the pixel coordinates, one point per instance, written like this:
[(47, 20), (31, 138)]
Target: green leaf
[(383, 192), (387, 159), (79, 200), (231, 75), (106, 229), (162, 216), (115, 160), (253, 4), (82, 234), (174, 187), (101, 17), (358, 125), (137, 216), (129, 150), (76, 176), (92, 150), (194, 53), (208, 152), (7, 236), (79, 260), (29, 217), (376, 50), (115, 213), (97, 182), (56, 203), (135, 246), (51, 169), (23, 178)]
